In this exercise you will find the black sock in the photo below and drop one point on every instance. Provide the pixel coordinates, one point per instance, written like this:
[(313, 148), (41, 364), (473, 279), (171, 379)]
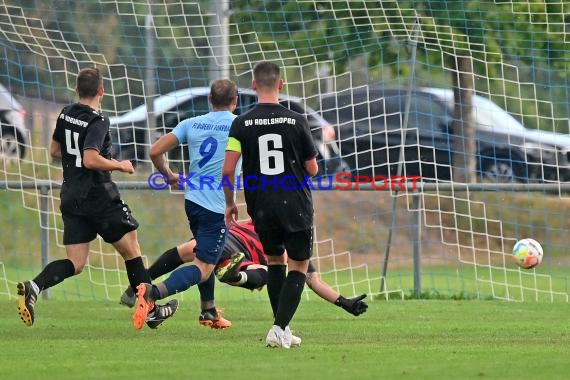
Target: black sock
[(207, 288), (256, 278), (290, 298), (275, 279), (129, 291), (136, 272), (165, 263), (212, 311), (54, 273)]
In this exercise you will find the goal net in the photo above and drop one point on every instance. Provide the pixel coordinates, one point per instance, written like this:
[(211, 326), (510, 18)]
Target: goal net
[(458, 111)]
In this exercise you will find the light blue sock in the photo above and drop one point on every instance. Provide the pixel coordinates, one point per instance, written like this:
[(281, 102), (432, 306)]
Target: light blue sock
[(182, 278)]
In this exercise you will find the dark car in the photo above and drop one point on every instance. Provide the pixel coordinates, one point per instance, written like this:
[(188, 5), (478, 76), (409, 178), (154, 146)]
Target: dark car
[(13, 131), (372, 127), (130, 133)]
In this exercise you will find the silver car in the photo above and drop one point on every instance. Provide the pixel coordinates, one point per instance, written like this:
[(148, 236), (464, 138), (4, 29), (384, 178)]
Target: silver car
[(544, 155), (371, 135)]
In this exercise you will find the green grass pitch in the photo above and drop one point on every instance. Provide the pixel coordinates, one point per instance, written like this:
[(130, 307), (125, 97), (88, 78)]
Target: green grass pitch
[(432, 339)]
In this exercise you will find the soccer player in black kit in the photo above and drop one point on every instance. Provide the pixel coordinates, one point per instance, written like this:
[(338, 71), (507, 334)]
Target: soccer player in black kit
[(278, 158), (90, 201)]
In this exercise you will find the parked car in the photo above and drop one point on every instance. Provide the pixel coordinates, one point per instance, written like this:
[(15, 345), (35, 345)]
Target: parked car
[(13, 131), (130, 133), (370, 131)]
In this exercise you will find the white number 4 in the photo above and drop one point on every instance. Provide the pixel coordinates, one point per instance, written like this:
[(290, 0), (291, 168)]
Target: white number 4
[(73, 146)]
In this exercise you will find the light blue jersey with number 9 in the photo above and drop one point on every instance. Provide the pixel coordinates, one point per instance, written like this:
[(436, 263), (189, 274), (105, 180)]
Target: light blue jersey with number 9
[(207, 137)]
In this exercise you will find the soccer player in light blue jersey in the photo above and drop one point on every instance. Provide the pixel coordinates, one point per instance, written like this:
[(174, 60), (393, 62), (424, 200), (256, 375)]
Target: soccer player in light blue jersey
[(207, 137)]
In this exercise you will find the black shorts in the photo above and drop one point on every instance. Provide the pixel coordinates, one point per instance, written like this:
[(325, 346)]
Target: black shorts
[(299, 244), (111, 220)]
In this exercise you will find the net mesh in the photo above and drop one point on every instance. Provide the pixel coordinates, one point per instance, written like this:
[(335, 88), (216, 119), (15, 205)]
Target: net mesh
[(517, 58)]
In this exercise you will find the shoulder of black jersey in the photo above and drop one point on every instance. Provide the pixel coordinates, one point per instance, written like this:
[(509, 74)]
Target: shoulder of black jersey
[(100, 115), (66, 108), (244, 114), (96, 115)]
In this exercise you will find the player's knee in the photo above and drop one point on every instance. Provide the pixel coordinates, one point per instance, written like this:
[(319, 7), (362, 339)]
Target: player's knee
[(205, 270), (186, 252)]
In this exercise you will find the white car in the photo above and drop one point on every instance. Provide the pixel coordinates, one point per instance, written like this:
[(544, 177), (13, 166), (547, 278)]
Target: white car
[(13, 132), (370, 133), (130, 134), (547, 154)]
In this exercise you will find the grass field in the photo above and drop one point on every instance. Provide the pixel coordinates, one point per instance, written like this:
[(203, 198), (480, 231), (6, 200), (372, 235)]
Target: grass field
[(393, 340), (82, 332)]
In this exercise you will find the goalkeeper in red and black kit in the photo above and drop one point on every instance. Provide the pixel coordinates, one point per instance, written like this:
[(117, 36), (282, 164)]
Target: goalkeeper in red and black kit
[(243, 264)]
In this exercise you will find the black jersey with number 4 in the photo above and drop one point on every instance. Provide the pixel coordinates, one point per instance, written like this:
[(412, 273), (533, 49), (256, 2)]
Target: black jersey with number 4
[(275, 143), (80, 127)]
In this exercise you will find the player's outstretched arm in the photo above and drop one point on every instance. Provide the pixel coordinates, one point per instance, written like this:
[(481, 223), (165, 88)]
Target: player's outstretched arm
[(354, 306)]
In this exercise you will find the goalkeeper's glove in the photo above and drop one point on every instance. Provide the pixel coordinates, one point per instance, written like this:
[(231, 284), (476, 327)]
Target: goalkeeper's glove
[(354, 306)]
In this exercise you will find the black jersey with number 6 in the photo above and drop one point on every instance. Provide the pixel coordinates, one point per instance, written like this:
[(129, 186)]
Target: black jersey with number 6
[(275, 143), (80, 127)]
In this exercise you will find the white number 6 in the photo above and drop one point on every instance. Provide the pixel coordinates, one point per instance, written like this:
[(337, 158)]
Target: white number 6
[(265, 154)]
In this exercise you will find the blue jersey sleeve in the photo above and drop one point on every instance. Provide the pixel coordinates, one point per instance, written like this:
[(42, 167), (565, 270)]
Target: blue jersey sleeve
[(180, 131)]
